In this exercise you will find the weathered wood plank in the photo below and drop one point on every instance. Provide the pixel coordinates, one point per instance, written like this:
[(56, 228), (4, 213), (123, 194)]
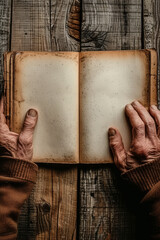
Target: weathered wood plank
[(46, 25), (31, 25), (65, 18), (104, 213), (151, 27), (52, 207), (50, 212), (111, 25), (64, 206), (5, 13), (107, 25)]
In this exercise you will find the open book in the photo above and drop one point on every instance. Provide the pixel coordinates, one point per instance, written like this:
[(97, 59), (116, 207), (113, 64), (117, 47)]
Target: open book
[(78, 97)]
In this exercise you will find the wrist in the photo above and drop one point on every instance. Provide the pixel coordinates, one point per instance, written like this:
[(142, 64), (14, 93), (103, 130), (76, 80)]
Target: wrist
[(145, 176), (18, 168)]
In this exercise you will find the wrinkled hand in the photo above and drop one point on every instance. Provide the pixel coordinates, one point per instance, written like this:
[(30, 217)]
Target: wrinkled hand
[(17, 145), (145, 145)]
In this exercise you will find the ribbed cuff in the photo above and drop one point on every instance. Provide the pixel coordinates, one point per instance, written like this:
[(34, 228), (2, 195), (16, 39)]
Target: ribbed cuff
[(18, 168), (145, 176), (9, 237)]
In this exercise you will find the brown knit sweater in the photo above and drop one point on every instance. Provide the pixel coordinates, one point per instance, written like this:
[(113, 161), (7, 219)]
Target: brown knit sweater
[(17, 178), (146, 179)]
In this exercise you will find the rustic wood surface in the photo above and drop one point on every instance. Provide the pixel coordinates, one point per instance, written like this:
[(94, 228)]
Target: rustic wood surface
[(51, 211), (103, 210), (31, 25), (111, 25), (42, 25), (65, 17), (5, 33)]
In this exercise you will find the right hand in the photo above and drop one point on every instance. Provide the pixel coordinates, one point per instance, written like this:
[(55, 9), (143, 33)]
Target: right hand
[(145, 145)]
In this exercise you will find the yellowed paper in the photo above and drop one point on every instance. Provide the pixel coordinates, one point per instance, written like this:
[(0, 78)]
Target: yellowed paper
[(48, 82), (109, 81)]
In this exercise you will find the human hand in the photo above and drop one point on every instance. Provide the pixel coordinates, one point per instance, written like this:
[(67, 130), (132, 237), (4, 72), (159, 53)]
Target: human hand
[(17, 145), (145, 144)]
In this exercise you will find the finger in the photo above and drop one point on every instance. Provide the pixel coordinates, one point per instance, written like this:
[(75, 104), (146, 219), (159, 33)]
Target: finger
[(146, 118), (2, 118), (30, 122), (138, 127), (156, 115), (117, 147)]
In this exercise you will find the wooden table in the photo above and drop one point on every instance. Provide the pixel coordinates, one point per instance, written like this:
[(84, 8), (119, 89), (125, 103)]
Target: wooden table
[(84, 202)]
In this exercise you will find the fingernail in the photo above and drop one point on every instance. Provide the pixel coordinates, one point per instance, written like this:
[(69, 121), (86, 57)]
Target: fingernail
[(129, 106), (135, 102), (32, 113), (153, 107), (111, 132)]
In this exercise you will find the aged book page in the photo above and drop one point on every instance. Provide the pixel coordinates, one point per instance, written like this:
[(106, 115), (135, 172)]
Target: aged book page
[(109, 81), (49, 82)]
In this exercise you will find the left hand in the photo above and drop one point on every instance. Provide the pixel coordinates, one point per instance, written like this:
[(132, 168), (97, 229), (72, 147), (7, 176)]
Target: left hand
[(17, 145), (145, 144)]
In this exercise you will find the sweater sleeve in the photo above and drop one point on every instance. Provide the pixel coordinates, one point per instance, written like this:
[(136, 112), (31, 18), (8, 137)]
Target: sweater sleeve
[(17, 178), (146, 179)]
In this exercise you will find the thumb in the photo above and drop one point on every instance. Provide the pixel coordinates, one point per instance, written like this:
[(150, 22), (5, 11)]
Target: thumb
[(29, 124), (117, 148)]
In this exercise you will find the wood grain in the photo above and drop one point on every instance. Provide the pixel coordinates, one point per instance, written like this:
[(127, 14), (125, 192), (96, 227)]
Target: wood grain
[(73, 21), (50, 212), (107, 25), (65, 17), (105, 212), (5, 13), (52, 207), (31, 25), (151, 28), (111, 25), (45, 25)]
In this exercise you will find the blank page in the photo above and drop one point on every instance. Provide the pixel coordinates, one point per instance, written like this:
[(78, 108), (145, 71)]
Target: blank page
[(48, 82), (109, 81)]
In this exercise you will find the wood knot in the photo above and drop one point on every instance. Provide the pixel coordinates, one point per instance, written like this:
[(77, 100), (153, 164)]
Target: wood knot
[(74, 20), (43, 206), (46, 207), (43, 216)]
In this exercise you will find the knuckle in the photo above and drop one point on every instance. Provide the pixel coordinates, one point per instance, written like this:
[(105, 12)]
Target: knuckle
[(118, 150), (29, 126), (29, 123), (139, 150), (150, 123), (121, 157), (26, 141), (113, 144), (140, 126)]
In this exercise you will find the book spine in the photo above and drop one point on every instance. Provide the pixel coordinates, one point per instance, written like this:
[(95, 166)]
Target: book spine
[(6, 97), (11, 88)]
